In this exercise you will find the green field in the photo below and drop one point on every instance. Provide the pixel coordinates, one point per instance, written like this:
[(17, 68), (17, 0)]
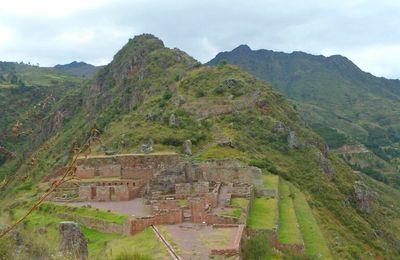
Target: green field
[(314, 241), (232, 212), (263, 214), (271, 181), (289, 232), (84, 212), (145, 243), (240, 202)]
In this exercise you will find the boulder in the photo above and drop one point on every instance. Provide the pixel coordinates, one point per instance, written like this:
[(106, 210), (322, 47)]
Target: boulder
[(147, 147), (187, 147), (279, 127), (172, 120), (72, 242), (293, 140), (179, 101), (109, 152)]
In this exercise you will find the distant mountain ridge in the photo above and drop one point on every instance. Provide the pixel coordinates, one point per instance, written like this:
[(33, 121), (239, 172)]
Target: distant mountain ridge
[(79, 69), (340, 101)]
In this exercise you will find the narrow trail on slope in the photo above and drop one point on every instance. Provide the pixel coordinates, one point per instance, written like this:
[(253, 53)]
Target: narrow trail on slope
[(171, 251)]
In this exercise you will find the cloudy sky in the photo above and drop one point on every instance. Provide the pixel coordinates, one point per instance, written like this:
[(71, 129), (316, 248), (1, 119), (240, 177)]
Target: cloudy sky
[(49, 32)]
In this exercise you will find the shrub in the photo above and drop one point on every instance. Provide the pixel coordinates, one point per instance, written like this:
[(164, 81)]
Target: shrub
[(170, 140), (219, 90), (257, 247), (200, 93), (167, 94)]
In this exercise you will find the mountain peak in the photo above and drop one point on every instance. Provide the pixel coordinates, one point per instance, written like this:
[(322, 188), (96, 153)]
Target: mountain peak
[(242, 48), (78, 68)]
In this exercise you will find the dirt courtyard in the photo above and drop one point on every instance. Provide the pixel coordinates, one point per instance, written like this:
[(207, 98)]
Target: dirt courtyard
[(195, 241), (134, 207)]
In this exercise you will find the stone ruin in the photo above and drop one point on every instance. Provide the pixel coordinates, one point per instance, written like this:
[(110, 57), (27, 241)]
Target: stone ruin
[(177, 190)]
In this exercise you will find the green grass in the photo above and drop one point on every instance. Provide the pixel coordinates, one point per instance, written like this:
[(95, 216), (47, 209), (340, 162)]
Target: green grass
[(48, 240), (239, 202), (232, 212), (183, 203), (145, 243), (271, 181), (289, 232), (314, 241), (262, 214), (97, 241), (218, 152), (85, 212)]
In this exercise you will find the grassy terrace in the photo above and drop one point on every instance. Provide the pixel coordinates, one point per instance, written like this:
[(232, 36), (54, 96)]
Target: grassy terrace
[(314, 241), (263, 211), (84, 212), (289, 232), (240, 202), (232, 212), (271, 181), (262, 214), (145, 243), (99, 243)]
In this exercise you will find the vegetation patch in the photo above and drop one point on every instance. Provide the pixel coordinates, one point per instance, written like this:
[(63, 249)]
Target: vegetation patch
[(289, 232), (218, 152), (142, 243), (314, 241), (270, 181), (239, 202), (232, 212), (84, 212), (262, 214)]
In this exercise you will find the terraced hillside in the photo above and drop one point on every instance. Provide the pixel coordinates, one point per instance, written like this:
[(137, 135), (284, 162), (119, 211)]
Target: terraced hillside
[(287, 220), (150, 95)]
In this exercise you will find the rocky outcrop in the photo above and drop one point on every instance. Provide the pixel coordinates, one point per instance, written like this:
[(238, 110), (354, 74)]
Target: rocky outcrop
[(187, 147), (72, 241), (363, 196), (172, 120), (179, 101), (147, 147), (279, 127), (293, 140), (324, 164)]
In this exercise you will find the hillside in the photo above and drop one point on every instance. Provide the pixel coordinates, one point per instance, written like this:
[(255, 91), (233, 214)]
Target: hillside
[(28, 96), (162, 97), (78, 69), (342, 103)]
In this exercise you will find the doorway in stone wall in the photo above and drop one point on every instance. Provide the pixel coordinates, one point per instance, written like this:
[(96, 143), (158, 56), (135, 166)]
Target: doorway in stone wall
[(112, 194), (92, 193)]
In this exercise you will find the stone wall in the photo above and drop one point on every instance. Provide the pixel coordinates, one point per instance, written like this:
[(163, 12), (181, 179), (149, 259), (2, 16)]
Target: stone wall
[(192, 189), (98, 224), (119, 192), (213, 219), (242, 190), (234, 250), (137, 166), (164, 205), (198, 210), (135, 225), (225, 171)]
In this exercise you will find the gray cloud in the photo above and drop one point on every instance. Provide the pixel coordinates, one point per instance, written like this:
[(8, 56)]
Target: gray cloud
[(51, 32)]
